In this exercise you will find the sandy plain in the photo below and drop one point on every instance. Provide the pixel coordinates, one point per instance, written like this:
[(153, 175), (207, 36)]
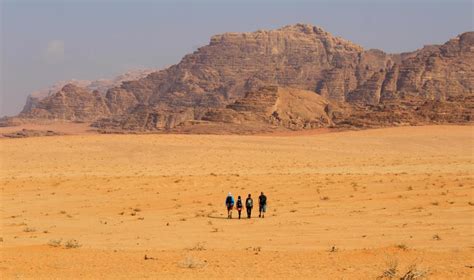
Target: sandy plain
[(344, 205)]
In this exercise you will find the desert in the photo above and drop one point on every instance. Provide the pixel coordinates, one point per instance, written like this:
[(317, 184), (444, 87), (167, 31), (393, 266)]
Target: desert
[(133, 134), (382, 203)]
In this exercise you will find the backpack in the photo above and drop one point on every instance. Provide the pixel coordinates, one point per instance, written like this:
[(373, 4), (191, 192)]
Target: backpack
[(239, 203), (249, 203), (228, 200)]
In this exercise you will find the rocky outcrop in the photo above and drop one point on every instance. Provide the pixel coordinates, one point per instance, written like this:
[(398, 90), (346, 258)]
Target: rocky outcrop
[(101, 86), (228, 81), (276, 106), (144, 118), (24, 133), (70, 103)]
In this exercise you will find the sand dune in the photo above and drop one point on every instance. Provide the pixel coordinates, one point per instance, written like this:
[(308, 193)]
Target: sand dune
[(345, 205)]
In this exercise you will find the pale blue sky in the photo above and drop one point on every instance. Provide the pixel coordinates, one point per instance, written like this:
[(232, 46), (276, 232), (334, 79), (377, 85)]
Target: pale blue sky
[(46, 41)]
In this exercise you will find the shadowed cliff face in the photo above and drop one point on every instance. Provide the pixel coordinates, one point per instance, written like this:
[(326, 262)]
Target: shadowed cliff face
[(301, 57)]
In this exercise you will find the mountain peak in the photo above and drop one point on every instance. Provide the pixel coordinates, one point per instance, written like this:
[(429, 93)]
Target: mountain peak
[(303, 27)]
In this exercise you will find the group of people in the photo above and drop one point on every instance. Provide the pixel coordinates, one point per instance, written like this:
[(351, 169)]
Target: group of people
[(230, 202)]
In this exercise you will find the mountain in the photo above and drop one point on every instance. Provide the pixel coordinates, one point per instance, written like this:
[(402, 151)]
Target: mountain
[(101, 86), (295, 77)]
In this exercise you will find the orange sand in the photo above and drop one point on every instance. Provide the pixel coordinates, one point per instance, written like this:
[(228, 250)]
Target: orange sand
[(378, 196)]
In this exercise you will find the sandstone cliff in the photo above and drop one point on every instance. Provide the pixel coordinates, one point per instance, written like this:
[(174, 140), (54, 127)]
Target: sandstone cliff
[(271, 105), (101, 86), (228, 80)]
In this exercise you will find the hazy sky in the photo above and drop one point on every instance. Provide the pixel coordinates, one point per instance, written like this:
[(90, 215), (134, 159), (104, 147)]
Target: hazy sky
[(47, 41)]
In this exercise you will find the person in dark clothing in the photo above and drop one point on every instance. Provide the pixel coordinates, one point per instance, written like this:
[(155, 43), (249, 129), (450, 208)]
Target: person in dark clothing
[(262, 205), (229, 203), (239, 205), (249, 206)]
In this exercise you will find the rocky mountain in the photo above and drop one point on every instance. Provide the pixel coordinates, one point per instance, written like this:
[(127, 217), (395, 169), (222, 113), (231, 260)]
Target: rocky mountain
[(101, 86), (296, 77)]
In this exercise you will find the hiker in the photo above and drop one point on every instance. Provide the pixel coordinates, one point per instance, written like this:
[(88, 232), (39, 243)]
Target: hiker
[(249, 206), (229, 202), (262, 205), (239, 205)]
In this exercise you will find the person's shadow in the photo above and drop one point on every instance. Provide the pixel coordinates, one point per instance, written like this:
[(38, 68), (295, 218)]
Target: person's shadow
[(220, 217)]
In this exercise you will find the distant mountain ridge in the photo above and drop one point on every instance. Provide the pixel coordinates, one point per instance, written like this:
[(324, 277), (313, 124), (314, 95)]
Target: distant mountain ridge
[(100, 85), (358, 87)]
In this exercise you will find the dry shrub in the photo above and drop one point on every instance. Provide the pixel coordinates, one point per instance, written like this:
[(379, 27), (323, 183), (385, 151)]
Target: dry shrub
[(198, 247), (402, 246), (412, 272), (55, 242), (192, 262), (391, 271), (29, 229), (436, 237), (71, 244)]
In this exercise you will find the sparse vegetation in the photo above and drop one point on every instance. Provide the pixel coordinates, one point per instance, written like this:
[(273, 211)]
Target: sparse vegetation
[(412, 272), (192, 262), (72, 243), (198, 247), (402, 246), (390, 271), (29, 229), (436, 237), (55, 242)]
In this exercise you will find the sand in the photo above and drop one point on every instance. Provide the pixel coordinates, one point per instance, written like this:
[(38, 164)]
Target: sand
[(344, 205)]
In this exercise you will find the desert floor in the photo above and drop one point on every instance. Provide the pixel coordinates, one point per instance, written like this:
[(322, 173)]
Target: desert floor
[(345, 205)]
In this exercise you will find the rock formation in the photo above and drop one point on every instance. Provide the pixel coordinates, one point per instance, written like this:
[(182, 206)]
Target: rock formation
[(286, 107), (101, 86), (269, 77)]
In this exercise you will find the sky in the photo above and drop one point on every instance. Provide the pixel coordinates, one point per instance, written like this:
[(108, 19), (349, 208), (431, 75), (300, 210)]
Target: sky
[(42, 42)]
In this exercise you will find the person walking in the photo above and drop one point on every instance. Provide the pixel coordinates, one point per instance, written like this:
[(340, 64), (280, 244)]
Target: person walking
[(262, 205), (249, 206), (229, 203), (239, 206)]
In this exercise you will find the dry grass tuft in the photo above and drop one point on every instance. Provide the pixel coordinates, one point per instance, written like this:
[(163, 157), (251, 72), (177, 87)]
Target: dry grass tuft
[(412, 272), (55, 242), (71, 244), (198, 247), (29, 229), (192, 262), (402, 246), (391, 271)]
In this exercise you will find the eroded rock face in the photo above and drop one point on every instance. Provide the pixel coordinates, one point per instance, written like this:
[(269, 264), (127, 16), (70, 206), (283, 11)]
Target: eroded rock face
[(101, 86), (70, 103), (276, 106), (144, 118), (228, 80), (438, 72)]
